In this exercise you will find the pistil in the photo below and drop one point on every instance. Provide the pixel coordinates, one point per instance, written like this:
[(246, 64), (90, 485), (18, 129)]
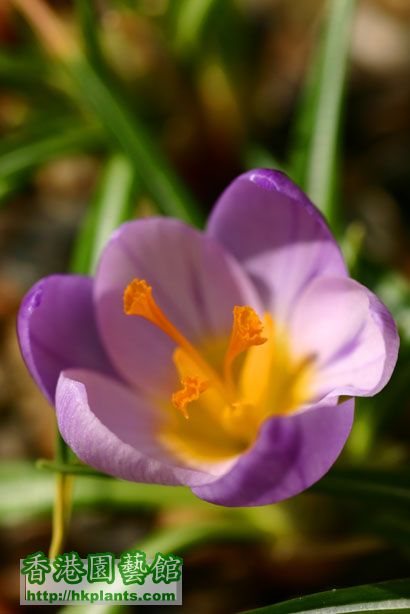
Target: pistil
[(195, 372), (139, 301)]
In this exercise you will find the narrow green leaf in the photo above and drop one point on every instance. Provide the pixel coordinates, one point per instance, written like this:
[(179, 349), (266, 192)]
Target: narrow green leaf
[(190, 19), (391, 487), (392, 596), (257, 156), (113, 204), (181, 538), (103, 98), (132, 137), (7, 188), (352, 245), (25, 152), (21, 70), (21, 482), (393, 527), (87, 18), (313, 159), (394, 290), (70, 468)]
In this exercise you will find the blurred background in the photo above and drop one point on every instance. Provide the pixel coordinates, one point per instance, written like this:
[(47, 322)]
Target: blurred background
[(205, 90)]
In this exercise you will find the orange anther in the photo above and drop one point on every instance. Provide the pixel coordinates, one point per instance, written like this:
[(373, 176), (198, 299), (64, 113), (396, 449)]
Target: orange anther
[(192, 388), (138, 299)]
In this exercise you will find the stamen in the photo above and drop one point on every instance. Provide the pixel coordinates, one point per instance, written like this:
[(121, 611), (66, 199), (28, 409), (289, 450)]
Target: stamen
[(192, 388), (246, 332), (139, 301)]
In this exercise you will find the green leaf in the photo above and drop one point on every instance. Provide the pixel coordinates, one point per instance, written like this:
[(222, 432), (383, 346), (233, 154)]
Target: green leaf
[(99, 90), (22, 153), (352, 245), (21, 482), (394, 289), (87, 19), (113, 204), (256, 156), (102, 97), (7, 188), (392, 596), (390, 487), (127, 132), (181, 538), (70, 467), (313, 159), (22, 71), (392, 526), (190, 19)]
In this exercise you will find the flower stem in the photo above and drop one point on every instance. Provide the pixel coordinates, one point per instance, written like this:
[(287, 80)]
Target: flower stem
[(61, 513), (62, 501)]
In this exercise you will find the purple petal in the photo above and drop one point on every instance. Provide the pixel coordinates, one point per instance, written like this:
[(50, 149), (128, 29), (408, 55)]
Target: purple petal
[(350, 333), (277, 234), (290, 454), (195, 282), (57, 330), (112, 429)]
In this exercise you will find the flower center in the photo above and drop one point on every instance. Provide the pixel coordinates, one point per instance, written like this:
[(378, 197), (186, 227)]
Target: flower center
[(224, 401), (197, 376)]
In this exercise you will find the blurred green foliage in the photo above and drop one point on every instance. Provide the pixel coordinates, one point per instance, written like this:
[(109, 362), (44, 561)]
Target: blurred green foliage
[(87, 103)]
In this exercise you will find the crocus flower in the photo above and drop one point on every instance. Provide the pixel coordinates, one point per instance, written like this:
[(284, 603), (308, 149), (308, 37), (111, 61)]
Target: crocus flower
[(226, 360)]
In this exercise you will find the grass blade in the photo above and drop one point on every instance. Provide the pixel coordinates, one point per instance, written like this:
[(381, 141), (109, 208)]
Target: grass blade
[(86, 17), (100, 96), (21, 481), (113, 204), (23, 153), (190, 20), (256, 156), (132, 137), (25, 72), (392, 596), (314, 157), (390, 487), (180, 538)]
